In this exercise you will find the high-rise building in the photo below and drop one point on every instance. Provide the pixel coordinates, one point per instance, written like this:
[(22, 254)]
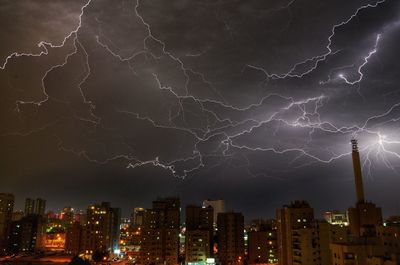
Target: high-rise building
[(26, 234), (73, 238), (169, 212), (35, 206), (126, 233), (262, 242), (115, 223), (230, 238), (160, 233), (199, 218), (101, 232), (6, 211), (324, 235), (217, 205), (301, 238), (40, 207), (199, 234), (138, 216), (290, 219), (29, 206)]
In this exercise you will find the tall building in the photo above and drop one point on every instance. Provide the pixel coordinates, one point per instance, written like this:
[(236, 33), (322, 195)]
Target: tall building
[(33, 206), (217, 205), (230, 238), (40, 207), (160, 233), (29, 206), (6, 212), (324, 235), (138, 216), (26, 234), (262, 242), (199, 218), (301, 238), (290, 219), (73, 238), (199, 234), (101, 232)]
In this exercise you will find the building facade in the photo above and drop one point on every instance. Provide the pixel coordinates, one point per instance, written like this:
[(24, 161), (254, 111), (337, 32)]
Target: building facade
[(6, 213), (262, 242), (217, 205), (230, 238), (199, 234), (26, 234), (160, 233), (101, 232)]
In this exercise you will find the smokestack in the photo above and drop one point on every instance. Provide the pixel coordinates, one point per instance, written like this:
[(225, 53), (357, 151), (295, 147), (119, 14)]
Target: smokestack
[(357, 171)]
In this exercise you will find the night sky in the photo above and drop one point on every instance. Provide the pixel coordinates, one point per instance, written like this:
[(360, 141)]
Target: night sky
[(251, 101)]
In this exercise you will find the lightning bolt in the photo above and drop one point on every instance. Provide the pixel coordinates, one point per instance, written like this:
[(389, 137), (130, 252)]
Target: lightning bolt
[(365, 61), (43, 45), (223, 127), (314, 61)]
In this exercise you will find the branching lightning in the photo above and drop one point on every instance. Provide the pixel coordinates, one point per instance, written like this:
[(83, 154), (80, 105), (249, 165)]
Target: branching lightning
[(365, 61), (314, 61), (230, 131)]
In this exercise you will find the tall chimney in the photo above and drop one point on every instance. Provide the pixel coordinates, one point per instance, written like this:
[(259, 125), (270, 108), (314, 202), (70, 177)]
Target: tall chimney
[(357, 171)]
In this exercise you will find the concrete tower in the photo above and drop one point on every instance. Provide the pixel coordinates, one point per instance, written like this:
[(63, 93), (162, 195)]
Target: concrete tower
[(365, 216), (357, 171)]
